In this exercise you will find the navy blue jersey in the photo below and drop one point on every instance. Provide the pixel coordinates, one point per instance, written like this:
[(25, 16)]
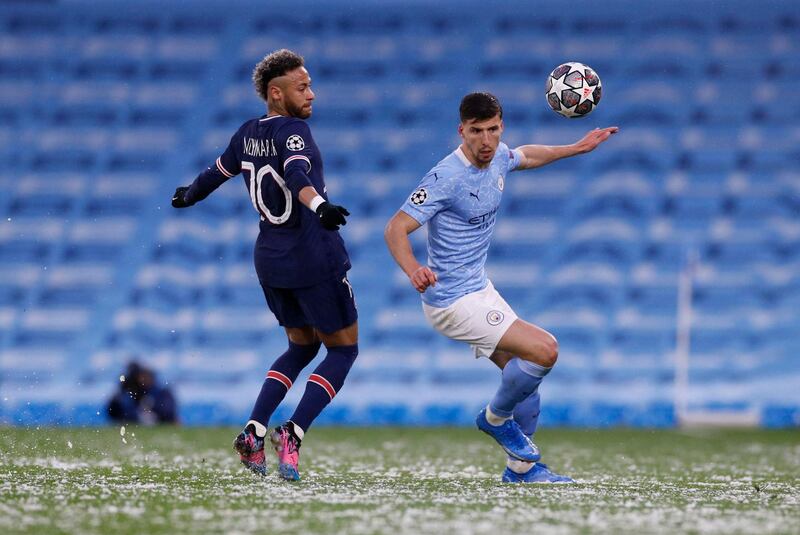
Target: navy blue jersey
[(278, 157)]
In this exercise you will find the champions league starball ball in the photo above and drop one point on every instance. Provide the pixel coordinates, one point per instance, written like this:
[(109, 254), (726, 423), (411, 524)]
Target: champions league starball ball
[(573, 90)]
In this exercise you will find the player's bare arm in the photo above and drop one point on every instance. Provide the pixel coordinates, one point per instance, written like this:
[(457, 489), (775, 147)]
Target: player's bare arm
[(396, 235), (539, 155)]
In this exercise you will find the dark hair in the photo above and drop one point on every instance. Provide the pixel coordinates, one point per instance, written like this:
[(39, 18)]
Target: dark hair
[(273, 65), (480, 107)]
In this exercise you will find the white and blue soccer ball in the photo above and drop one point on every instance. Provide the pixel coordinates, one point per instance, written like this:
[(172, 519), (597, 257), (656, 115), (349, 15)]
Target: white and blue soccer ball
[(573, 90)]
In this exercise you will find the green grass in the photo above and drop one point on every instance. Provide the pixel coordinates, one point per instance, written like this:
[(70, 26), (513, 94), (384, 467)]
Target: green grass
[(392, 481)]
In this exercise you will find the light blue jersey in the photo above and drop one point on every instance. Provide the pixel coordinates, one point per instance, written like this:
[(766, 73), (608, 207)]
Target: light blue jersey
[(459, 202)]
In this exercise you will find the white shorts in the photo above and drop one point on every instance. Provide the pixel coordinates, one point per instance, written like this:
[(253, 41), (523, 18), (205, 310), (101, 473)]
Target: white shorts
[(480, 319)]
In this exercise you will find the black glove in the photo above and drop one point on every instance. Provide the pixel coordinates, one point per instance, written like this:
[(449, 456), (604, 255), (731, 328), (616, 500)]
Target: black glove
[(331, 215), (179, 198)]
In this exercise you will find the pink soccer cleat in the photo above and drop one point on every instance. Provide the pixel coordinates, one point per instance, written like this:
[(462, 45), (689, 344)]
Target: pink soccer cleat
[(287, 447), (251, 450)]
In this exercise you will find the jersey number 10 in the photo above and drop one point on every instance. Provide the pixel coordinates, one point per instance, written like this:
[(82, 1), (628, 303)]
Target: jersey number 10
[(256, 183)]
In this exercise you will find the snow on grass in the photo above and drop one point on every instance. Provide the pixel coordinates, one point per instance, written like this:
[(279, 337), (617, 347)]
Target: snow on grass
[(398, 481)]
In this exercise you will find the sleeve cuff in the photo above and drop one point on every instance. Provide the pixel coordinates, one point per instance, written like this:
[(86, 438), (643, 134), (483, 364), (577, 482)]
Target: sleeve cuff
[(520, 157), (315, 202)]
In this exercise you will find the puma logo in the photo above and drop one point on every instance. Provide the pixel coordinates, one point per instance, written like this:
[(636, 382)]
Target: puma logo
[(474, 195)]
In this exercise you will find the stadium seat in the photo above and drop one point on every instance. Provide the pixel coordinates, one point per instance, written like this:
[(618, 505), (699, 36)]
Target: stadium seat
[(95, 266)]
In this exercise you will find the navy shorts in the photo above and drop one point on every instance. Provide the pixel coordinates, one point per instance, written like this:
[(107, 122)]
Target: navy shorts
[(328, 306)]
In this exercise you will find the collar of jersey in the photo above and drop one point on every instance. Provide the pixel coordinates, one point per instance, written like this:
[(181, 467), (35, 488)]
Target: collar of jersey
[(468, 164), (269, 117), (463, 157)]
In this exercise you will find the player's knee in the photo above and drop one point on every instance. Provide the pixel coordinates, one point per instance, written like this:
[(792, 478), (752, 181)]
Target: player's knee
[(302, 336), (549, 354)]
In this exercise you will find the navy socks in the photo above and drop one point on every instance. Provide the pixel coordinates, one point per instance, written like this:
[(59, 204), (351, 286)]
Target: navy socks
[(324, 384), (280, 377)]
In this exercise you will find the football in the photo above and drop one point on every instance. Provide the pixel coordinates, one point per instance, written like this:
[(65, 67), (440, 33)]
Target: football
[(573, 90)]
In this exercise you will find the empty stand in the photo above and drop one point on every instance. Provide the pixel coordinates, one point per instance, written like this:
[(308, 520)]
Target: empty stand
[(105, 109)]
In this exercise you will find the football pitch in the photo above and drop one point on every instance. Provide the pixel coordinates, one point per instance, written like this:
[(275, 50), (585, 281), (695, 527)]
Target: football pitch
[(398, 480)]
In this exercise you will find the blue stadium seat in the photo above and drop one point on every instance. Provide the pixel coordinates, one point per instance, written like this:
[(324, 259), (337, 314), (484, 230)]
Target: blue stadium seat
[(205, 414), (718, 162), (582, 340), (693, 212), (621, 206), (89, 114), (719, 341), (657, 298), (740, 254), (39, 413), (643, 161), (590, 247), (616, 252), (643, 340), (384, 364)]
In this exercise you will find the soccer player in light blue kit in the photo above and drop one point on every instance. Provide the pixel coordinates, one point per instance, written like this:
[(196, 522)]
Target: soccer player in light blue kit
[(458, 199)]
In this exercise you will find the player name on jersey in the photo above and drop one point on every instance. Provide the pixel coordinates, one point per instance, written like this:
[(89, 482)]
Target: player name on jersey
[(259, 147)]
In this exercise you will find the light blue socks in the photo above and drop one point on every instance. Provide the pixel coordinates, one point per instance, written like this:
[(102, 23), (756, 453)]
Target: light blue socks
[(526, 413), (520, 380)]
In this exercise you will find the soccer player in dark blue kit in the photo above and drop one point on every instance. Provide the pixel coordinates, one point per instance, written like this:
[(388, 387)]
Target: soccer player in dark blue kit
[(300, 257)]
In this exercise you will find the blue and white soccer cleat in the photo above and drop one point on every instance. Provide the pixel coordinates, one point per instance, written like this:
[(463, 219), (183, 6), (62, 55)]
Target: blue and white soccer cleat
[(251, 450), (510, 437), (539, 473)]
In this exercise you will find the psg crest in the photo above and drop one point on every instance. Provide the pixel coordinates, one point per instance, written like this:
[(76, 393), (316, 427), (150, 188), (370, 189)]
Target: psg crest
[(419, 196)]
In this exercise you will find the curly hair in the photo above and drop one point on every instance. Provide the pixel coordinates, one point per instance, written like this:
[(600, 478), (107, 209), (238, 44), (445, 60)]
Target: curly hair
[(479, 106), (273, 65)]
